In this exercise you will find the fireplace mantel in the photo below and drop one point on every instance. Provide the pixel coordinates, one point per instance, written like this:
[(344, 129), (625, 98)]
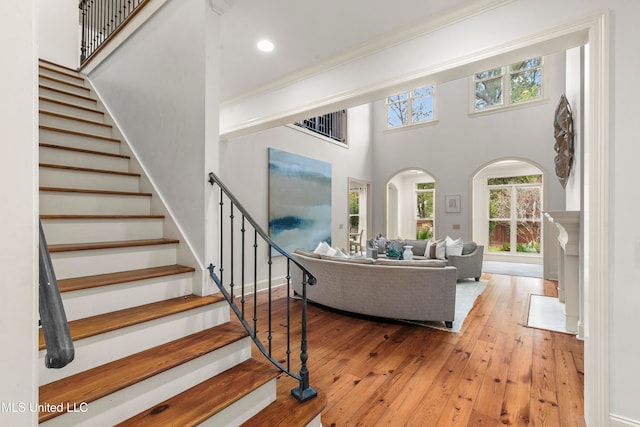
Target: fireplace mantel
[(569, 292)]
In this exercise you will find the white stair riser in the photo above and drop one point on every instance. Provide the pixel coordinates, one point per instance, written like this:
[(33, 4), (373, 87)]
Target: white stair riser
[(64, 139), (74, 125), (55, 66), (85, 180), (71, 88), (71, 110), (80, 159), (62, 203), (61, 75), (101, 261), (104, 348), (61, 231), (65, 97), (243, 409), (122, 405), (82, 303)]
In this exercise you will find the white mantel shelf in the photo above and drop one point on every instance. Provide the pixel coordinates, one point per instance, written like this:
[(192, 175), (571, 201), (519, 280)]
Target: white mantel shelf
[(569, 292)]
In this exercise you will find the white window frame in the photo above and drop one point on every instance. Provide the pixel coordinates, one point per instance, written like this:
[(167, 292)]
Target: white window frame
[(513, 219), (505, 77), (409, 97)]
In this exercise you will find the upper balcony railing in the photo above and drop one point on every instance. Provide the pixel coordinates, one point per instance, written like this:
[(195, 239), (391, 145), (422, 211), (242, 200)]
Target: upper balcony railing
[(101, 19), (332, 125)]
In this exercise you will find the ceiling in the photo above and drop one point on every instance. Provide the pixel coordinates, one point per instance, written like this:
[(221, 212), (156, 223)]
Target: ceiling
[(306, 33)]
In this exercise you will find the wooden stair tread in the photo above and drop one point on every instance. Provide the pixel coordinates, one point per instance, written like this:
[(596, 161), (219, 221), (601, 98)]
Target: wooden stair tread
[(68, 104), (82, 150), (208, 398), (286, 410), (86, 282), (55, 89), (81, 190), (101, 381), (64, 82), (102, 323), (67, 247), (44, 63), (80, 169), (73, 132), (54, 216), (77, 119)]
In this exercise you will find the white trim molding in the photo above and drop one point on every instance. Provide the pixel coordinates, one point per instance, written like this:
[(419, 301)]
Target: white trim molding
[(618, 421)]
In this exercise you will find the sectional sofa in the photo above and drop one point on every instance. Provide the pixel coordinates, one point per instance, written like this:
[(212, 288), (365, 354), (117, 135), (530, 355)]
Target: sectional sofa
[(409, 290)]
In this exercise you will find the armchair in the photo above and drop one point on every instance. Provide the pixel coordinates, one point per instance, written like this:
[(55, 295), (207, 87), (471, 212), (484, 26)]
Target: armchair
[(468, 265)]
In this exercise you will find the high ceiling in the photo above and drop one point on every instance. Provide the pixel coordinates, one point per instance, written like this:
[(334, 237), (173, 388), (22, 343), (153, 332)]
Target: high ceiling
[(306, 33)]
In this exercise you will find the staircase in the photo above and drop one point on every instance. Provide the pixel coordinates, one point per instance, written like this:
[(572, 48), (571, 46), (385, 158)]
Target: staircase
[(147, 349)]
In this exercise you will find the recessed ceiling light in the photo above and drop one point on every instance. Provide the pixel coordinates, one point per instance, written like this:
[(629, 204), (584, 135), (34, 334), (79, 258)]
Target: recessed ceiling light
[(265, 46)]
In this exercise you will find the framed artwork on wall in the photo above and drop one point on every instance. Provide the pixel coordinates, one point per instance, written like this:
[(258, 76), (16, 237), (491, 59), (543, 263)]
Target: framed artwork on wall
[(299, 200), (452, 203)]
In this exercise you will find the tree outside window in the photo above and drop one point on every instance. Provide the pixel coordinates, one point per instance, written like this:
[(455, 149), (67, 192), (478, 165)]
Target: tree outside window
[(408, 108), (522, 82), (424, 210), (515, 204)]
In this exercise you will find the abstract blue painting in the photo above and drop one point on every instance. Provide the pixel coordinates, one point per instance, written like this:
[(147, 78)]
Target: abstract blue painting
[(299, 200)]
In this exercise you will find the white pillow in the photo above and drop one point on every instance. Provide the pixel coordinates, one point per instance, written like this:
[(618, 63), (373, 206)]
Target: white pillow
[(441, 250), (322, 248), (454, 247)]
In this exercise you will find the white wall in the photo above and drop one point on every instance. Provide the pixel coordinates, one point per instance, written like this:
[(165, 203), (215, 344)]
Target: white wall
[(244, 168), (458, 146), (161, 87), (18, 216), (59, 32)]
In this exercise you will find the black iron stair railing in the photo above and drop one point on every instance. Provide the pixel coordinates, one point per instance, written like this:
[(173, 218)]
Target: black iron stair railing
[(55, 328), (99, 19), (233, 236)]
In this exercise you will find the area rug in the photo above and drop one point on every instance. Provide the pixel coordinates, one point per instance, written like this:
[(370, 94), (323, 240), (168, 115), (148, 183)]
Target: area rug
[(467, 291), (513, 269), (547, 313)]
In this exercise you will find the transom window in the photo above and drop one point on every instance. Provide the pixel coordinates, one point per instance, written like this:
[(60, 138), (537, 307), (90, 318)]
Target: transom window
[(410, 108), (521, 81)]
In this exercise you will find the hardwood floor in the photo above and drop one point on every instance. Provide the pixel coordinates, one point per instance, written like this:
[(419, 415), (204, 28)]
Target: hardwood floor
[(494, 372)]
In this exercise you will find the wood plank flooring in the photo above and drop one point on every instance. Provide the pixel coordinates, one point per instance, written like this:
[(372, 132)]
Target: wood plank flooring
[(494, 372)]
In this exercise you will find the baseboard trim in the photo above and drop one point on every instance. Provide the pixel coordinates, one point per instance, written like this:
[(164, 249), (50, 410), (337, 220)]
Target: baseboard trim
[(619, 421)]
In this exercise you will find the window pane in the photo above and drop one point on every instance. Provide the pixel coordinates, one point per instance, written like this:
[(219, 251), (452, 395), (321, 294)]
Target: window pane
[(424, 229), (489, 73), (424, 205), (528, 203), (528, 237), (529, 63), (398, 97), (488, 93), (422, 109), (525, 85), (499, 236), (426, 185), (523, 179), (397, 114), (425, 91), (500, 203)]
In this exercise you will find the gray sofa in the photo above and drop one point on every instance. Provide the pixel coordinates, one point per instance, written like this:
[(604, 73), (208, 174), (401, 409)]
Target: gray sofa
[(410, 290), (468, 265)]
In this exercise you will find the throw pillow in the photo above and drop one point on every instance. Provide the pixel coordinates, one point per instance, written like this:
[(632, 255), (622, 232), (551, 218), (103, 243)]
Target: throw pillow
[(469, 247), (441, 249), (322, 248), (454, 247), (430, 249)]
